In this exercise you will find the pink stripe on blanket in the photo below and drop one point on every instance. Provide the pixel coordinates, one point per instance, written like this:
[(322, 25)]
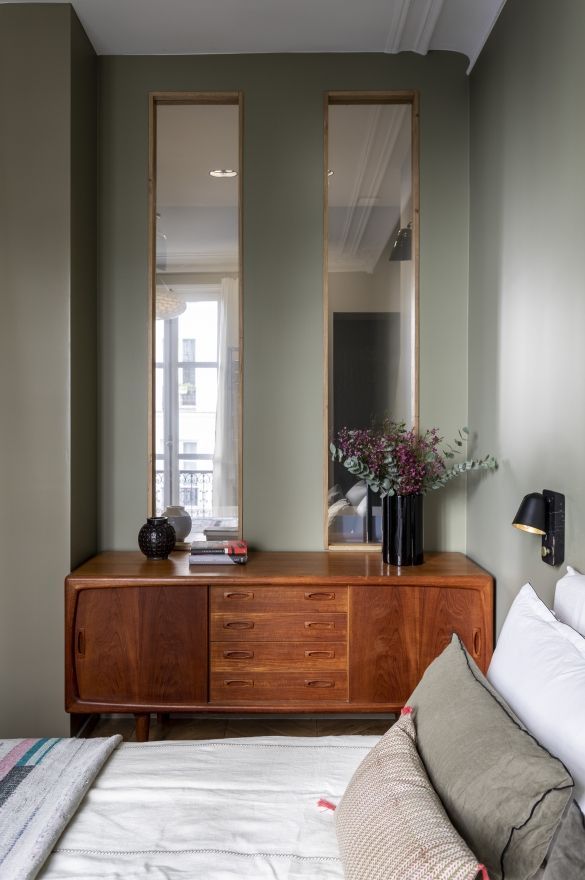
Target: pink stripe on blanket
[(9, 760)]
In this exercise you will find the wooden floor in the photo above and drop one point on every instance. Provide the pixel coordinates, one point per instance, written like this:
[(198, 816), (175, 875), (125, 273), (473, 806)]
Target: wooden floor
[(189, 727)]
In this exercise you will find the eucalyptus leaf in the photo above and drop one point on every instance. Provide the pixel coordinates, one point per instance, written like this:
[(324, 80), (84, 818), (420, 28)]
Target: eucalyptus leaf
[(394, 460)]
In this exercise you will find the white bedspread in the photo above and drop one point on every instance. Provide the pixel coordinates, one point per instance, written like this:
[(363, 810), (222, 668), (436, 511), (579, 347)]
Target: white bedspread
[(212, 810)]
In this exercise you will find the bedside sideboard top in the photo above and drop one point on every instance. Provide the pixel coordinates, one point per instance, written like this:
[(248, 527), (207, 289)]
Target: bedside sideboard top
[(116, 567)]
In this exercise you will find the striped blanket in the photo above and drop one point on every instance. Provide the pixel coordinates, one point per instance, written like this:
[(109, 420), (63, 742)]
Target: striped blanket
[(42, 782)]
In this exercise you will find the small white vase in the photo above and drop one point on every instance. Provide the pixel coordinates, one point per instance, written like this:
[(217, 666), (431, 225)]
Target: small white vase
[(180, 521)]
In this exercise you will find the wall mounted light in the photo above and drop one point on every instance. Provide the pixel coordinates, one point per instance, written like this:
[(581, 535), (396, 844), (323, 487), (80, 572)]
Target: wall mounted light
[(544, 514), (402, 247)]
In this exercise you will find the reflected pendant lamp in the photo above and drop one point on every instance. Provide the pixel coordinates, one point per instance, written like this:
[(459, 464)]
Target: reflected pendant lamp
[(168, 305)]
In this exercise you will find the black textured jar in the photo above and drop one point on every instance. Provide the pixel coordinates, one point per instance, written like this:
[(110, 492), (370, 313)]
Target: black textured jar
[(157, 537)]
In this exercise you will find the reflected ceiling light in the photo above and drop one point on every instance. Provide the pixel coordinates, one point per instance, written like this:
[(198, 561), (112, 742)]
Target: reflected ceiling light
[(330, 173), (168, 305), (223, 172)]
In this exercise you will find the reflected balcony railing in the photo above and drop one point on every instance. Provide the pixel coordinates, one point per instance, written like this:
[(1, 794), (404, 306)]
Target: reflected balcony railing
[(195, 492)]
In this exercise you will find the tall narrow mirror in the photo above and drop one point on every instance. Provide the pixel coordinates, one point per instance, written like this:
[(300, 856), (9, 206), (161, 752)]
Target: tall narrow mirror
[(371, 288), (195, 400)]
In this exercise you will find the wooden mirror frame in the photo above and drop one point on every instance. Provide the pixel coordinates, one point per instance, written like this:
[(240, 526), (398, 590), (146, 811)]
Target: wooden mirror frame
[(189, 98), (392, 97)]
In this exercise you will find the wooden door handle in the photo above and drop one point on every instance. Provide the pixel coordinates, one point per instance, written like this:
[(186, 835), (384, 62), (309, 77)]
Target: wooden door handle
[(238, 595), (238, 655), (319, 596), (81, 642), (319, 683), (238, 682), (327, 655), (319, 624), (476, 642), (239, 624)]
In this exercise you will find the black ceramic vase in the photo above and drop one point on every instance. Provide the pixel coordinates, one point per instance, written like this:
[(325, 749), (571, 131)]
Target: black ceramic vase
[(157, 537), (402, 529)]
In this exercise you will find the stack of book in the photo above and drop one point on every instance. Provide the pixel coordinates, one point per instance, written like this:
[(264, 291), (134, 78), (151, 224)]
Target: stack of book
[(218, 553)]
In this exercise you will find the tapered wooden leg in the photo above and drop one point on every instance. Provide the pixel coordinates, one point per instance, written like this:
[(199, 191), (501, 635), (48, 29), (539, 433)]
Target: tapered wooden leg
[(142, 722)]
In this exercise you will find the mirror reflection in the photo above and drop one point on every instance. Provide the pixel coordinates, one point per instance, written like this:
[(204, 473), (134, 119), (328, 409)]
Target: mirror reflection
[(197, 316), (371, 292)]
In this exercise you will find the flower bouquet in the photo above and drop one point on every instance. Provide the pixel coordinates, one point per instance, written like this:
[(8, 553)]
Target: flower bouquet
[(397, 462)]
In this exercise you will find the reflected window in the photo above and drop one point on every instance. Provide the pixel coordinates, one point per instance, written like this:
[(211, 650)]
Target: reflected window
[(371, 291), (196, 421)]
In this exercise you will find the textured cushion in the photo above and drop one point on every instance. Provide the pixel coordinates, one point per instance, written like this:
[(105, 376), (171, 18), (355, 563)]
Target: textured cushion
[(539, 669), (503, 792), (569, 605), (391, 824), (566, 860)]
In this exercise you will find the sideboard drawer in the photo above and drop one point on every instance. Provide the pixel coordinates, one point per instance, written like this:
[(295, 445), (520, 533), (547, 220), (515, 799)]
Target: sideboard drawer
[(249, 598), (276, 627), (277, 656), (250, 687)]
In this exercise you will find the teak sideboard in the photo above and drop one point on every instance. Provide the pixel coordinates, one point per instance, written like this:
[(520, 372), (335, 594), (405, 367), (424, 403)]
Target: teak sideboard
[(287, 632)]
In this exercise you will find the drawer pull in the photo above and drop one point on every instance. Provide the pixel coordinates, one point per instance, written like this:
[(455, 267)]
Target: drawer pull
[(319, 624), (238, 595), (327, 655), (238, 655), (476, 642), (238, 682), (319, 683), (319, 596), (239, 624), (81, 643)]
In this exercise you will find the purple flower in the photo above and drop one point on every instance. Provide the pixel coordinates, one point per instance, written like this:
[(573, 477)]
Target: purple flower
[(395, 460)]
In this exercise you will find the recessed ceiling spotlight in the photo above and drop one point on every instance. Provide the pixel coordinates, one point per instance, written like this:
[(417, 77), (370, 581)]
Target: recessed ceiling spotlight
[(224, 172)]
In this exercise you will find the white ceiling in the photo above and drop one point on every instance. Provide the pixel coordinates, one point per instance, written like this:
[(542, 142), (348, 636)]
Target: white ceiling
[(202, 27), (197, 215)]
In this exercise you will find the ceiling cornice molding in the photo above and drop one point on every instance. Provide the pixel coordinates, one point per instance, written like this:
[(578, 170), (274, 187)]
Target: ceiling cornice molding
[(220, 27), (475, 52), (427, 25), (359, 177), (199, 262), (345, 263), (397, 23)]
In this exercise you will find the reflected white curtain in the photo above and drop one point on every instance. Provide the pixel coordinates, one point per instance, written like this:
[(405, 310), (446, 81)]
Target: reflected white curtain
[(225, 458)]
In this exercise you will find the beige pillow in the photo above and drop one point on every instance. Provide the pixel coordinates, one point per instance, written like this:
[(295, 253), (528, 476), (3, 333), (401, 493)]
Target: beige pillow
[(390, 823)]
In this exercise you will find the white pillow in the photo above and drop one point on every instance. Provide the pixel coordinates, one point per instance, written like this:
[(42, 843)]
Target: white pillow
[(539, 668), (569, 604)]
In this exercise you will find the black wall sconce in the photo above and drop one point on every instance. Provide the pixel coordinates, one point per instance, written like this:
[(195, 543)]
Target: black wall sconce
[(544, 514), (402, 247)]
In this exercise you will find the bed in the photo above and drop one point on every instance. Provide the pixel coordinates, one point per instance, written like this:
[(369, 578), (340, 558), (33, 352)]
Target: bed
[(222, 809), (294, 807)]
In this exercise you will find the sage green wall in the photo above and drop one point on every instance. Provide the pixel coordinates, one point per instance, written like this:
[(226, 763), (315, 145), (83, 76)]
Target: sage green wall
[(527, 301), (83, 296), (283, 263), (45, 293)]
